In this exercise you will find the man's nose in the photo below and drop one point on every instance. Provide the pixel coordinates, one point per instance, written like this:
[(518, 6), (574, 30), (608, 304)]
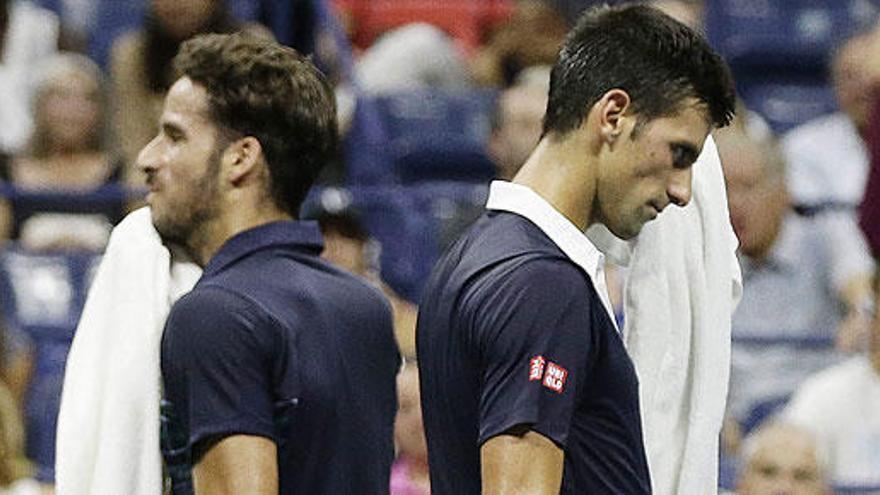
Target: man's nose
[(147, 159), (679, 187)]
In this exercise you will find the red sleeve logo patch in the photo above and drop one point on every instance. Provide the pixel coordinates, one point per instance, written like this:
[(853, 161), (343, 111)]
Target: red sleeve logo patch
[(536, 368), (554, 378)]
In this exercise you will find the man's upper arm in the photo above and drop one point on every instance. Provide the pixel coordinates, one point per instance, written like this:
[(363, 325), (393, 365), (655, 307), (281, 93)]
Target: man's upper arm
[(238, 464), (527, 463), (534, 328), (217, 356)]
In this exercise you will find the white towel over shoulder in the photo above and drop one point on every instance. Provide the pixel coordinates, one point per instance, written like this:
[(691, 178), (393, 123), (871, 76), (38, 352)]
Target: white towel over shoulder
[(683, 284), (108, 425)]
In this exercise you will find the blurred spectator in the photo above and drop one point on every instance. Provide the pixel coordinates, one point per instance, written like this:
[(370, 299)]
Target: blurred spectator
[(140, 65), (27, 35), (841, 407), (805, 280), (67, 153), (531, 36), (409, 473), (347, 245), (781, 459), (410, 57), (516, 122), (827, 159)]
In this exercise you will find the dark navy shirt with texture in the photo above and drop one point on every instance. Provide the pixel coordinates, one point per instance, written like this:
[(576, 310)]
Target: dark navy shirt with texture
[(511, 333), (273, 341)]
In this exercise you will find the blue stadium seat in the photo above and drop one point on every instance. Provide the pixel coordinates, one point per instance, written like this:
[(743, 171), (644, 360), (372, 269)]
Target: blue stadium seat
[(367, 158), (392, 220), (727, 470), (761, 412), (42, 296), (873, 489), (792, 35), (786, 103), (113, 18), (423, 135), (450, 208)]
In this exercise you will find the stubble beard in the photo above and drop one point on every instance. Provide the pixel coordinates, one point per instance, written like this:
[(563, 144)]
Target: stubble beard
[(187, 224)]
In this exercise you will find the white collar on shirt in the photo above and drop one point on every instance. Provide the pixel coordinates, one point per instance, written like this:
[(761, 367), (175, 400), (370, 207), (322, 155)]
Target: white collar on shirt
[(522, 200)]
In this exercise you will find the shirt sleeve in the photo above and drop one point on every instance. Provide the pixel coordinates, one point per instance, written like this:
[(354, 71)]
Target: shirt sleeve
[(533, 326), (218, 351)]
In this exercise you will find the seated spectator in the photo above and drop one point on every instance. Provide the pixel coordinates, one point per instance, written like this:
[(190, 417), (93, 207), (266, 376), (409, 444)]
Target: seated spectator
[(347, 245), (781, 459), (140, 65), (411, 57), (805, 280), (409, 473), (67, 153), (28, 34), (531, 36), (840, 406), (827, 158)]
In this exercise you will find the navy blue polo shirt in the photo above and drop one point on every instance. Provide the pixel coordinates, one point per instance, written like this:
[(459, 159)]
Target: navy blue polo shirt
[(511, 333), (276, 342)]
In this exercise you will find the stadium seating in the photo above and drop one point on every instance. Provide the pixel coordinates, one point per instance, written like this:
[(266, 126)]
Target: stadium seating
[(42, 296), (779, 51), (784, 35), (786, 103), (421, 135)]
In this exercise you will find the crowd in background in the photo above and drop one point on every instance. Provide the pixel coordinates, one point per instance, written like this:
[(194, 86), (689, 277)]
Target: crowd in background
[(435, 99)]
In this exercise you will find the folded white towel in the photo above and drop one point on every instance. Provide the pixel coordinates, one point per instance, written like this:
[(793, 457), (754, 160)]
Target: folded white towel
[(108, 425), (682, 286)]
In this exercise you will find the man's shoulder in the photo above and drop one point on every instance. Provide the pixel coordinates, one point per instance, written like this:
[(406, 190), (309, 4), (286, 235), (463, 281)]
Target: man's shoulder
[(209, 301), (501, 235), (504, 251)]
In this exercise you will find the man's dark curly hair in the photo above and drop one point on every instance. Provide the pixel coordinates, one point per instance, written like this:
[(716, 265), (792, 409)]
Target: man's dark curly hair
[(259, 88)]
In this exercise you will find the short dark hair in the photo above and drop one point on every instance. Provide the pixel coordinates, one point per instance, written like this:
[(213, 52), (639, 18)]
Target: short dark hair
[(259, 88), (657, 60)]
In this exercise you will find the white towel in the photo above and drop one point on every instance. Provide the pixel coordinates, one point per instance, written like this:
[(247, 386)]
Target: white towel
[(683, 284), (108, 425)]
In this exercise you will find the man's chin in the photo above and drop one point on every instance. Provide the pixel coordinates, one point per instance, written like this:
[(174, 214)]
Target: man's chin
[(626, 232)]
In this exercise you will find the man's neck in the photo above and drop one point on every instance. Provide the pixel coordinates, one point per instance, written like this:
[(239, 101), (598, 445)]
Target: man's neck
[(211, 238), (551, 172)]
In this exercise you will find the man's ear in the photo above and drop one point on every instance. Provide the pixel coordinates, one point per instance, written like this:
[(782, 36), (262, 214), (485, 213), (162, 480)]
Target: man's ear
[(241, 158), (612, 114)]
